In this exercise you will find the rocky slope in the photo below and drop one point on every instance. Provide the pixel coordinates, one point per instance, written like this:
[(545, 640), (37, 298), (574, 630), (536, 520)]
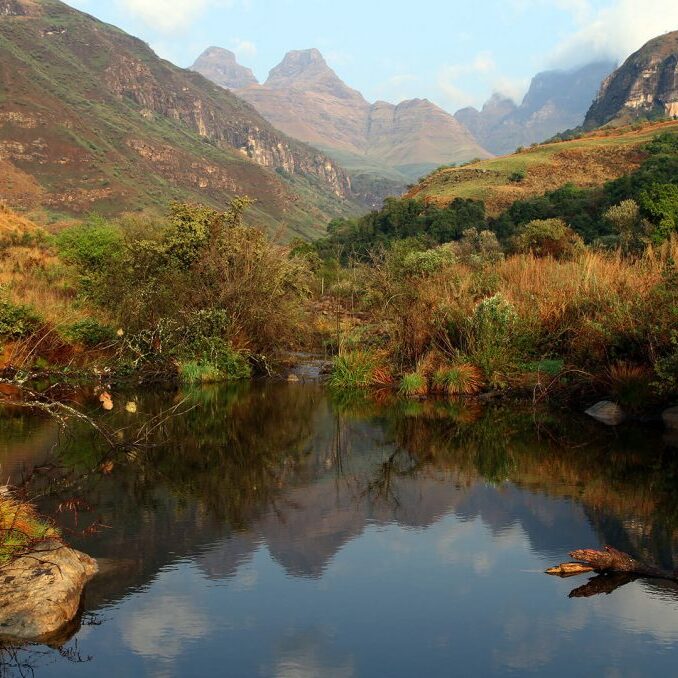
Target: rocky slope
[(646, 85), (306, 99), (92, 119), (556, 101)]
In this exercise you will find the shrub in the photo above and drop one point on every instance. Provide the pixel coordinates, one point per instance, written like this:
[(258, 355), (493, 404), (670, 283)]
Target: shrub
[(429, 261), (518, 176), (17, 321), (91, 245), (548, 237), (90, 332), (413, 384), (491, 338)]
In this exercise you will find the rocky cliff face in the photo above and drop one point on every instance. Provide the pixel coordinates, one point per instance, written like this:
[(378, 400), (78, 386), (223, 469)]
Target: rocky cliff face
[(306, 99), (90, 118), (555, 101), (220, 66), (646, 85)]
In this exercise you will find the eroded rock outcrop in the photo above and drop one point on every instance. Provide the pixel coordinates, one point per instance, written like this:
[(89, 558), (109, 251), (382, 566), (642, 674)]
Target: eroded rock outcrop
[(40, 593), (645, 85)]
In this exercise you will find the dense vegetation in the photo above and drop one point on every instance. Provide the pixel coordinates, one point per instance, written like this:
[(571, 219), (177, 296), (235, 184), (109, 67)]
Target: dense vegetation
[(199, 295), (653, 187), (576, 289)]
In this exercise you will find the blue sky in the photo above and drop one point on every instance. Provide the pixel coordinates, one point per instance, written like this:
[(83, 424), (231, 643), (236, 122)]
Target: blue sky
[(452, 52)]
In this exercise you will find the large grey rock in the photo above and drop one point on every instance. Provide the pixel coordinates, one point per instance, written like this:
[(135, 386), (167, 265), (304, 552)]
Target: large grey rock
[(607, 412), (40, 592), (670, 418)]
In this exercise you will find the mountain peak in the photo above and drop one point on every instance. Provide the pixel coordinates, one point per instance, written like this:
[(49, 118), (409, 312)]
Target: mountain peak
[(643, 86), (221, 66), (307, 70)]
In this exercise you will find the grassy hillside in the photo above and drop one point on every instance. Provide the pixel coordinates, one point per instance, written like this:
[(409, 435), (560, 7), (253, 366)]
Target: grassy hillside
[(588, 161), (92, 119)]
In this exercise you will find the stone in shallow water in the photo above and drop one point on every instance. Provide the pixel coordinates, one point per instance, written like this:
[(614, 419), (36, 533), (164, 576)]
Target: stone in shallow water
[(607, 412), (670, 418), (40, 592)]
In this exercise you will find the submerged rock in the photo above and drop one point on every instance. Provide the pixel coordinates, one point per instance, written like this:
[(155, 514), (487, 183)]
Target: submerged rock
[(670, 418), (40, 592), (607, 412)]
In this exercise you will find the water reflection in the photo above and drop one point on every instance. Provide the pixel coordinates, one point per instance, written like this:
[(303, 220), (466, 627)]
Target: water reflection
[(289, 533)]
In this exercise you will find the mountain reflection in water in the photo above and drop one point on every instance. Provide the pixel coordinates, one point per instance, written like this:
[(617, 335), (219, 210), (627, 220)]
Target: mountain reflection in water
[(279, 530)]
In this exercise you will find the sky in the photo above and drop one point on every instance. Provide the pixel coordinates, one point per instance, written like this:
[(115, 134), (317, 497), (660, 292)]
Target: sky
[(455, 53)]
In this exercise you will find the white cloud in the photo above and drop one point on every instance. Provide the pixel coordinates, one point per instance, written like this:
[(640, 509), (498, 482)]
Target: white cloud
[(615, 31), (245, 49), (514, 88), (169, 15), (482, 65)]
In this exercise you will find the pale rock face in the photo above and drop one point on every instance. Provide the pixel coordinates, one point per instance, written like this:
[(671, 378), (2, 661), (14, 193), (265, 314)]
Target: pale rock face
[(40, 593), (221, 67), (646, 84)]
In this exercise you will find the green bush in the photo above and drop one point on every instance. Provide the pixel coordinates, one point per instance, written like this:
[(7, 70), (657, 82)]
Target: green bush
[(90, 333), (17, 321), (90, 246), (548, 237), (491, 338)]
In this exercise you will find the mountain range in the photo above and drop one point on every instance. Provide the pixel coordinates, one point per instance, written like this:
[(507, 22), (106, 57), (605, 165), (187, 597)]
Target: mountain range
[(556, 101), (306, 99), (92, 120)]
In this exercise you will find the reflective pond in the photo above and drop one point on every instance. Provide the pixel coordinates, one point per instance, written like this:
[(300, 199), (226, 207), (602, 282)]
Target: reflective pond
[(278, 530)]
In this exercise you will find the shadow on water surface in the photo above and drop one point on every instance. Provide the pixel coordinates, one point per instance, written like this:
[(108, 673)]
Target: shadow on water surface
[(315, 483)]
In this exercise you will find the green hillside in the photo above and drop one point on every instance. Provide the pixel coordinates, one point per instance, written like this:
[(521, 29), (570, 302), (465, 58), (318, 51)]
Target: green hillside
[(92, 120)]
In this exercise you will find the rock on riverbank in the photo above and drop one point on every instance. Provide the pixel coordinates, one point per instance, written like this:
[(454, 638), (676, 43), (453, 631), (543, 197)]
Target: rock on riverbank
[(40, 592)]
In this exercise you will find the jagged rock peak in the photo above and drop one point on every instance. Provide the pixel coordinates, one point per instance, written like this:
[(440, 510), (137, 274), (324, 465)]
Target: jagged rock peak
[(221, 66), (308, 70)]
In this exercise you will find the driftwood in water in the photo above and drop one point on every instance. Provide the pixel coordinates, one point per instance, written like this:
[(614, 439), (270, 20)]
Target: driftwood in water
[(614, 569)]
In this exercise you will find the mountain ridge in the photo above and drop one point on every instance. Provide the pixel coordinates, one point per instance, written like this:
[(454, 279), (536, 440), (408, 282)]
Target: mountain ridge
[(645, 85), (305, 98), (556, 100), (92, 119)]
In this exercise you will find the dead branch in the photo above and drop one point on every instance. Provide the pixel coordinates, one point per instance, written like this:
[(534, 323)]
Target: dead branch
[(615, 568)]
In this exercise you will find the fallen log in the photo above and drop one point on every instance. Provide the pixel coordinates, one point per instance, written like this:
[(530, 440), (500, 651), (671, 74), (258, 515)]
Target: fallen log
[(614, 568)]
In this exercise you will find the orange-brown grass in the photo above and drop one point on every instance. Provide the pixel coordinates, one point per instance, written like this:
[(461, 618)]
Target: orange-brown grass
[(461, 379), (20, 526), (586, 300)]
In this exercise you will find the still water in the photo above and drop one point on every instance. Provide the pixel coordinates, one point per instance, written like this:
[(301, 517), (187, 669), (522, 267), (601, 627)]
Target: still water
[(276, 530)]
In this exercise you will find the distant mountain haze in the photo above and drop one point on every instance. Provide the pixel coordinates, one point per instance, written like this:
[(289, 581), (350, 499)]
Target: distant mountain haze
[(645, 85), (306, 99), (556, 101)]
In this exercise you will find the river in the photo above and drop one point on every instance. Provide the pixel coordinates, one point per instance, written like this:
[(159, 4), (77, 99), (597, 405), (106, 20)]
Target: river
[(280, 530)]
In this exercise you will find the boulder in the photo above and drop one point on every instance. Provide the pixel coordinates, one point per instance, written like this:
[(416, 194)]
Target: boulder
[(607, 412), (40, 592), (670, 418)]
